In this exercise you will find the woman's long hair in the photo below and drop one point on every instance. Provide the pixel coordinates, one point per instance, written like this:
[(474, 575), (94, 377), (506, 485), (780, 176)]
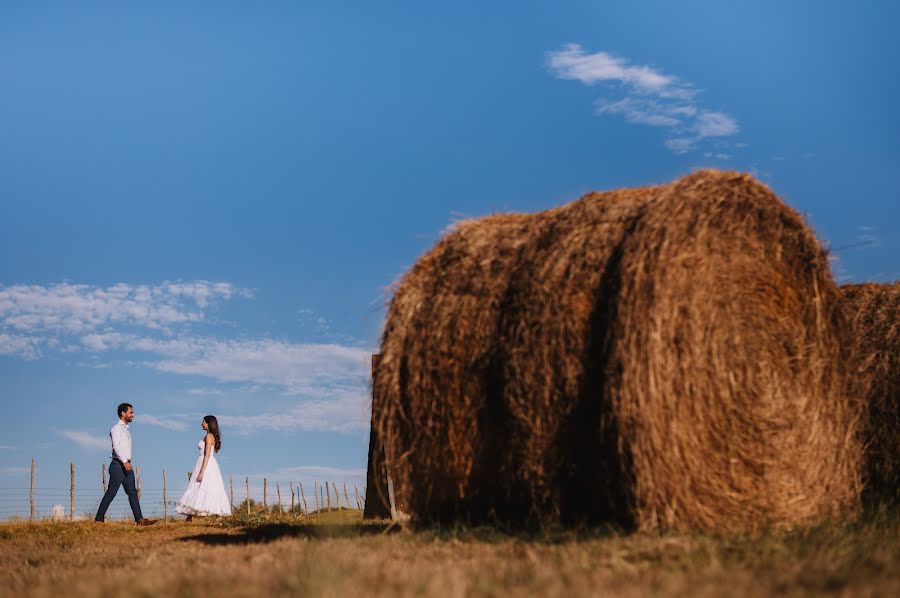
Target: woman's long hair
[(212, 425)]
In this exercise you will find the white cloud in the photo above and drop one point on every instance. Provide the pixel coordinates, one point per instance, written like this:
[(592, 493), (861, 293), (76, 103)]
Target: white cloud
[(156, 323), (334, 409), (572, 63), (85, 439), (21, 346), (714, 124), (6, 447), (33, 317), (331, 381), (646, 111), (297, 367), (167, 423), (680, 145), (651, 97), (300, 368), (344, 412), (202, 392)]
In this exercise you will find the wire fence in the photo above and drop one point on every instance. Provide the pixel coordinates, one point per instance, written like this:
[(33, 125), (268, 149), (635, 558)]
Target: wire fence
[(70, 503)]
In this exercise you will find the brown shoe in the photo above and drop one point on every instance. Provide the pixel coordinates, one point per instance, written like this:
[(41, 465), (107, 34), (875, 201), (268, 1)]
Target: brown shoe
[(145, 522)]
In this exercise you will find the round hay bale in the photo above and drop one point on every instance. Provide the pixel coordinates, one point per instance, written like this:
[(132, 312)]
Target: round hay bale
[(874, 313), (559, 456), (728, 367), (663, 357), (432, 386)]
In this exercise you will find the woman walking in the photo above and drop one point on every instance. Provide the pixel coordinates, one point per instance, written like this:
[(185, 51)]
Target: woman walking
[(205, 494)]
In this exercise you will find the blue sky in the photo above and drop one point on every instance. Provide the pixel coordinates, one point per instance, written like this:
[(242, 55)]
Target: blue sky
[(205, 204)]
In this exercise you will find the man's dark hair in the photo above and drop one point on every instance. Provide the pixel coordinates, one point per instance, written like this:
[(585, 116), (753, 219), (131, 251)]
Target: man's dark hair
[(123, 407)]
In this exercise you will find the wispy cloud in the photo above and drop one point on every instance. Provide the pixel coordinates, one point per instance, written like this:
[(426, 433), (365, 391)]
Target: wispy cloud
[(644, 96), (300, 368), (177, 425), (85, 439), (35, 317), (572, 63), (7, 447), (346, 412), (867, 236), (308, 475), (155, 327), (19, 345), (204, 392)]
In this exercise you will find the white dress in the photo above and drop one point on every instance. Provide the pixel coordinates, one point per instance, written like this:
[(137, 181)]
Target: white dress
[(207, 497)]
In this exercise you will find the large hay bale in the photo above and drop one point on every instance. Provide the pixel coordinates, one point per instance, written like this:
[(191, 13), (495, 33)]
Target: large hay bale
[(432, 384), (663, 357), (874, 312), (559, 454), (728, 370)]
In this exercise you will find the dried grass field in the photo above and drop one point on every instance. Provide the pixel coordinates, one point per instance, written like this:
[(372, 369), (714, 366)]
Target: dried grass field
[(339, 555)]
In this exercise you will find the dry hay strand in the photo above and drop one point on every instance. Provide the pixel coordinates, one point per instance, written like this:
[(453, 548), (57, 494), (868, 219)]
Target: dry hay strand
[(874, 313), (728, 370), (664, 357), (559, 459), (430, 389)]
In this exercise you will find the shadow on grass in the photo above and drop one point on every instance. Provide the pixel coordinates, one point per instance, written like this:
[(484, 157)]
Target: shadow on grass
[(263, 534), (269, 532), (870, 525)]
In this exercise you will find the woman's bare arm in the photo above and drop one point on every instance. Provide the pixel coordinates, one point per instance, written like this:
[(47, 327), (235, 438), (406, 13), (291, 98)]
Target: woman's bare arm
[(207, 451)]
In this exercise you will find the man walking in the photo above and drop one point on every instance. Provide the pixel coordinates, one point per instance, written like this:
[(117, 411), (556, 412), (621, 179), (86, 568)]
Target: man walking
[(121, 472)]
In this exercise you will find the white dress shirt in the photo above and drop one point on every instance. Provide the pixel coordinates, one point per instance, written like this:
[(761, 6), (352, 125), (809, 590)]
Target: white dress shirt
[(121, 442)]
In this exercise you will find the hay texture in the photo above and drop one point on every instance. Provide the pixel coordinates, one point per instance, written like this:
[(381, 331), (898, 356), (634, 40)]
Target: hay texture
[(667, 357), (728, 368), (874, 312), (432, 384)]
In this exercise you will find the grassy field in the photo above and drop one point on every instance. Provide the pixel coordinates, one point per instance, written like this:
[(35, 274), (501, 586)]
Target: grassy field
[(339, 555)]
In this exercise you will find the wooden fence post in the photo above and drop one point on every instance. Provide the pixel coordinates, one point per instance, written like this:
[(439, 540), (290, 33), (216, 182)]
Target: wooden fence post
[(316, 493), (265, 499), (247, 480), (71, 491), (328, 494), (231, 485), (346, 496), (292, 496), (322, 498), (356, 496), (278, 491), (337, 497), (31, 492), (165, 504), (303, 496), (103, 473), (137, 477)]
